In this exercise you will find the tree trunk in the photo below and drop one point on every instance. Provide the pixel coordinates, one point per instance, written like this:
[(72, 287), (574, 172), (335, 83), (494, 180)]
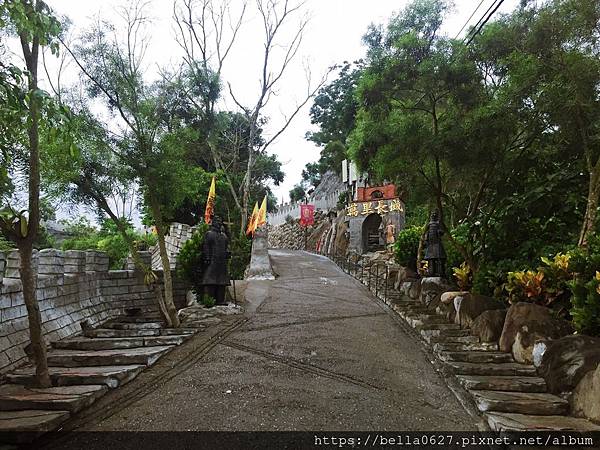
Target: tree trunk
[(591, 210), (25, 243), (38, 344), (172, 318)]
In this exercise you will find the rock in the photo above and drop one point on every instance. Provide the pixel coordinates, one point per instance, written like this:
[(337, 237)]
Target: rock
[(538, 322), (432, 289), (190, 299), (520, 402), (405, 274), (411, 289), (489, 324), (470, 306), (448, 297), (585, 401), (566, 361), (524, 422), (525, 340)]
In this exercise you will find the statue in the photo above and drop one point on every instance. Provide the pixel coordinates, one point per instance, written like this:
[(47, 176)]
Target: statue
[(215, 253), (434, 252), (390, 236)]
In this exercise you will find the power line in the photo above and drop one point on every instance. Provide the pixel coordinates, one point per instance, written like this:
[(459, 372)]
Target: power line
[(469, 19), (485, 21)]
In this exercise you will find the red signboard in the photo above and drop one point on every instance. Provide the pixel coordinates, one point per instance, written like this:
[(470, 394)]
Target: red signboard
[(307, 215)]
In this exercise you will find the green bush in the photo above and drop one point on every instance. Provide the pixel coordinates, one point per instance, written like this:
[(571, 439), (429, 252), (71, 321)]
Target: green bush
[(585, 310), (5, 244), (406, 246), (241, 248), (190, 264)]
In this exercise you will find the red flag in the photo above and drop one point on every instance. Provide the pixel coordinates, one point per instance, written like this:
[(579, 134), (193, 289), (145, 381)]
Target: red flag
[(307, 215)]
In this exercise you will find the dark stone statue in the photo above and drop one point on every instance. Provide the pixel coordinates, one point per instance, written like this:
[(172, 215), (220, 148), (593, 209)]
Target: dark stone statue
[(435, 254), (215, 251)]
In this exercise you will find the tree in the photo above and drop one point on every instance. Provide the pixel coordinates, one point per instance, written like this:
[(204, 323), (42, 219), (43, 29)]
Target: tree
[(298, 193), (28, 107), (200, 33), (114, 74)]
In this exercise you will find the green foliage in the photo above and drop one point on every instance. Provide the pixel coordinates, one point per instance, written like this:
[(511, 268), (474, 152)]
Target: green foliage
[(190, 263), (240, 247), (298, 193), (107, 239), (208, 301), (585, 310), (5, 245), (463, 276), (406, 246)]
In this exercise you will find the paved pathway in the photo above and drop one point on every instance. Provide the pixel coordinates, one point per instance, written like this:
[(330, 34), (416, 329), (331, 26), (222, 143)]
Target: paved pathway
[(316, 353)]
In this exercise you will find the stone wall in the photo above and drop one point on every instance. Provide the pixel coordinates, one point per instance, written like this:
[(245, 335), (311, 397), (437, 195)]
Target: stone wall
[(71, 286), (178, 234)]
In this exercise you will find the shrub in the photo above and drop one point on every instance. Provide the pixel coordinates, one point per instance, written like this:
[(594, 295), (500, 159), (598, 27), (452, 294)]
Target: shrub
[(406, 246), (208, 301), (240, 247), (5, 244), (463, 276), (585, 286), (190, 263)]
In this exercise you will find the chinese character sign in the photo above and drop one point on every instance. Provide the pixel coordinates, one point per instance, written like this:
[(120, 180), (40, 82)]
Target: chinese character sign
[(307, 215), (381, 207)]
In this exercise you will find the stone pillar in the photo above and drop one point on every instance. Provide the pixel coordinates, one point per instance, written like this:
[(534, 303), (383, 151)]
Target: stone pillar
[(74, 261), (51, 262), (13, 264), (2, 265), (96, 261)]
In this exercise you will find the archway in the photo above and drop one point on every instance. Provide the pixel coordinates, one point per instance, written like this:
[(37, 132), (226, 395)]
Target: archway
[(370, 233)]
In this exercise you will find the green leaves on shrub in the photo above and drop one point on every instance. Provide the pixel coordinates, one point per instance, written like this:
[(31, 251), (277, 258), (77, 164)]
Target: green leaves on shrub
[(585, 301), (407, 246), (190, 263)]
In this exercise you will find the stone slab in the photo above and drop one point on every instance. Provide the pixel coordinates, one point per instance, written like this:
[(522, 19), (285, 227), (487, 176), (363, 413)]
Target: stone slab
[(465, 347), (86, 343), (110, 333), (520, 402), (116, 357), (134, 326), (476, 357), (502, 383), (67, 398), (25, 426), (111, 376), (522, 422), (465, 368)]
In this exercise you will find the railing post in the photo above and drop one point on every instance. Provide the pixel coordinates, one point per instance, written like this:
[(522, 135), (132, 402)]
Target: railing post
[(362, 273), (376, 279), (387, 277), (369, 282)]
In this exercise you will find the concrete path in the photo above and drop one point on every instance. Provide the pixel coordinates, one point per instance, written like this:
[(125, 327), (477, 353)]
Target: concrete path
[(317, 352)]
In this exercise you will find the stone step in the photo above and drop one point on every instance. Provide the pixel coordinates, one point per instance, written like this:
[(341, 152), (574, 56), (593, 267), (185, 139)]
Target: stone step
[(86, 343), (502, 383), (112, 333), (511, 369), (520, 402), (117, 357), (476, 357), (25, 426), (139, 319), (441, 327), (524, 422), (442, 336), (111, 376), (116, 325), (465, 347), (16, 397)]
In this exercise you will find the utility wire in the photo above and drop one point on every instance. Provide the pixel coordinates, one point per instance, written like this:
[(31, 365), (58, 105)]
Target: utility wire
[(469, 19), (485, 21)]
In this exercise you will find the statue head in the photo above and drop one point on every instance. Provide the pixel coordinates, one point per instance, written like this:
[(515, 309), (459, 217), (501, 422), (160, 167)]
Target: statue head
[(435, 216), (217, 224)]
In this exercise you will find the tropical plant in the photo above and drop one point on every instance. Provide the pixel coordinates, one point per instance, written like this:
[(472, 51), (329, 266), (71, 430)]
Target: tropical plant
[(464, 276), (585, 310)]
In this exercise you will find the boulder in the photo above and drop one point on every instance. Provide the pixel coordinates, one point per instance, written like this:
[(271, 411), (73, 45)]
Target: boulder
[(533, 322), (448, 297), (585, 401), (411, 289), (564, 362), (470, 306), (432, 289), (489, 324), (405, 274)]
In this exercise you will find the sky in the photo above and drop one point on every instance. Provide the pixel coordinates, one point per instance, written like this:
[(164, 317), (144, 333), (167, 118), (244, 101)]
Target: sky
[(333, 36)]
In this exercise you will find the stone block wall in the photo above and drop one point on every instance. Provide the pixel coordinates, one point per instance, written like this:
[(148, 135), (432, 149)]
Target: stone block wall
[(72, 286), (178, 234)]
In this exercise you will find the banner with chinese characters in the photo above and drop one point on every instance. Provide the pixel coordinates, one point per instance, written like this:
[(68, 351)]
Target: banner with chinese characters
[(307, 215), (380, 207)]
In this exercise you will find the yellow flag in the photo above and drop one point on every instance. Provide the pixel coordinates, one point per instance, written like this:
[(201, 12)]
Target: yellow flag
[(252, 222), (262, 213), (210, 203)]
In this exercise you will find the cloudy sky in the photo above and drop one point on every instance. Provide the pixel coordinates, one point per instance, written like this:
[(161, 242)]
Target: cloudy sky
[(333, 36)]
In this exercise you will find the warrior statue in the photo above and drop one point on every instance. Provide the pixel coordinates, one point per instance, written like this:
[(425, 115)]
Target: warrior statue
[(434, 252), (215, 252)]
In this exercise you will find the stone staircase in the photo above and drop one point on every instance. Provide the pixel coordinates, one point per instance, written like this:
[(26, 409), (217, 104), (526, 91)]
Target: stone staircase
[(82, 369), (511, 396)]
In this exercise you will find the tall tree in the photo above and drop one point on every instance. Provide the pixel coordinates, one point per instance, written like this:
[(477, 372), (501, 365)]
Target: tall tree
[(36, 27)]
